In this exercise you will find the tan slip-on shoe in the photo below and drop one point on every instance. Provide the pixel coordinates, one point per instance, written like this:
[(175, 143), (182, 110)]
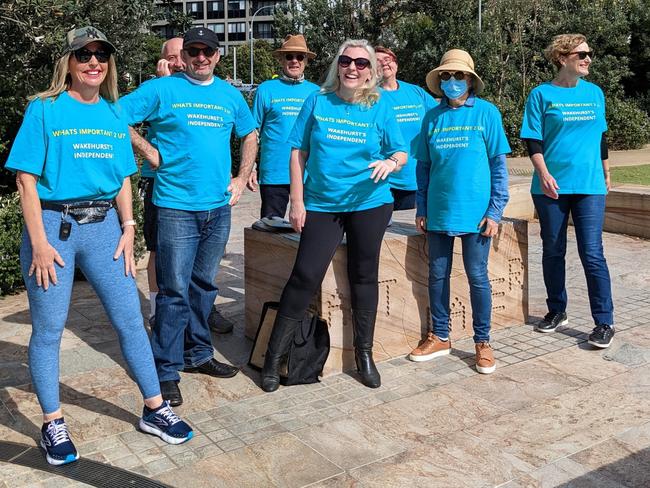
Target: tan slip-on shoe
[(485, 363), (429, 348)]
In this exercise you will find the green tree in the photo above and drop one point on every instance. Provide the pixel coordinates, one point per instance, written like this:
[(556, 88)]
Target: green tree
[(265, 65)]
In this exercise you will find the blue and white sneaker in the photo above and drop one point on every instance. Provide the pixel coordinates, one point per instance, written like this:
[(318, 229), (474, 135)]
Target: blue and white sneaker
[(164, 423), (56, 441)]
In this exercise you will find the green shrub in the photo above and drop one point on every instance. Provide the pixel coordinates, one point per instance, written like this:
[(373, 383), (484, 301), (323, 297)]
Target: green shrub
[(11, 223), (629, 126)]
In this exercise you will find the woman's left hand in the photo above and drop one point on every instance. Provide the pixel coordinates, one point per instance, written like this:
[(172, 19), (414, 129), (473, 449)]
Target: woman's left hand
[(125, 246), (491, 227), (381, 169), (608, 181)]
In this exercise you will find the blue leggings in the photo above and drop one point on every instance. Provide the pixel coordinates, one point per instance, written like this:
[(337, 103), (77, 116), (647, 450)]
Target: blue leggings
[(91, 247)]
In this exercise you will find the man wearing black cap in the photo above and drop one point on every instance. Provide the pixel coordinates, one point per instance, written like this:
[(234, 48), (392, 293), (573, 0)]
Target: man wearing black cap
[(191, 116)]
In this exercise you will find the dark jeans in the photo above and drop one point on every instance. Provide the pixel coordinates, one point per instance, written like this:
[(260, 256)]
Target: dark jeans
[(588, 213), (275, 199), (404, 199), (190, 247), (319, 240), (476, 249)]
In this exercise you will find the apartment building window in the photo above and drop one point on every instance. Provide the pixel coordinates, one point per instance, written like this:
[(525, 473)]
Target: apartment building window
[(218, 29), (263, 30), (215, 10), (194, 10), (236, 8), (256, 5), (237, 31)]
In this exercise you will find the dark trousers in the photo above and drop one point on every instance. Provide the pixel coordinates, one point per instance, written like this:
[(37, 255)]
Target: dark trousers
[(404, 199), (588, 213), (319, 240), (275, 199)]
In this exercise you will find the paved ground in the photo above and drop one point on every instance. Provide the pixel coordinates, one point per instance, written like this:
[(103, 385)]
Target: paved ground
[(556, 412)]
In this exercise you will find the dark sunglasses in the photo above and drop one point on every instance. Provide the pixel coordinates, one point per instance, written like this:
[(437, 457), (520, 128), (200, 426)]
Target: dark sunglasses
[(84, 55), (208, 52), (291, 57), (583, 54), (446, 75), (360, 63)]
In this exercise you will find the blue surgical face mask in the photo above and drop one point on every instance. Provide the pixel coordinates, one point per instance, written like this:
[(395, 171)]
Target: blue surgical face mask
[(453, 88)]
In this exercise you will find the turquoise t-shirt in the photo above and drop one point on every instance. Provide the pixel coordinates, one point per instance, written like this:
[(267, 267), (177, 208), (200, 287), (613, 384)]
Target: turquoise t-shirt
[(342, 139), (190, 125), (275, 109), (455, 147), (79, 151), (410, 103), (570, 122)]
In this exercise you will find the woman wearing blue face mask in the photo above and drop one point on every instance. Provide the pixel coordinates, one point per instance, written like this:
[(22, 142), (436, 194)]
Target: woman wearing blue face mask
[(462, 191)]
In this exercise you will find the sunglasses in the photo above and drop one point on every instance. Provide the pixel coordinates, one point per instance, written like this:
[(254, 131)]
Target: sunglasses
[(208, 52), (583, 54), (360, 63), (446, 75), (291, 57), (84, 55)]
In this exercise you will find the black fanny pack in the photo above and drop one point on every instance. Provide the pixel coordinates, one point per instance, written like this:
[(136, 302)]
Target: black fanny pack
[(87, 212)]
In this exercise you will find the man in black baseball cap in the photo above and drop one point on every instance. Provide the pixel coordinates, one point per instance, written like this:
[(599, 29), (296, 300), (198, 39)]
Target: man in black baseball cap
[(200, 53)]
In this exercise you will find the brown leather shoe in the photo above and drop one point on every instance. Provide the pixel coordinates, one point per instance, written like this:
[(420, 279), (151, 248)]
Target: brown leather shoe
[(485, 363), (429, 348)]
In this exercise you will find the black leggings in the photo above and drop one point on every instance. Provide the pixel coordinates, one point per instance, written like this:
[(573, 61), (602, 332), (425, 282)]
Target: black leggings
[(319, 240)]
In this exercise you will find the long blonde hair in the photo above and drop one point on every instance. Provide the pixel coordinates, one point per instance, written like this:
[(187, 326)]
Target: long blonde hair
[(368, 94), (61, 80)]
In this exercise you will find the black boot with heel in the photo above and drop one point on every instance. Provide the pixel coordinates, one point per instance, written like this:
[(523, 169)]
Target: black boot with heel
[(364, 332), (283, 332)]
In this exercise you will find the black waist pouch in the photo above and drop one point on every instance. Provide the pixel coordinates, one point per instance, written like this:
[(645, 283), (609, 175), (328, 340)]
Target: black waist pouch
[(83, 212)]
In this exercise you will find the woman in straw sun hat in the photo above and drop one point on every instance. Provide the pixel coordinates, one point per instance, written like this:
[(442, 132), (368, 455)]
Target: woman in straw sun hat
[(275, 109), (462, 191)]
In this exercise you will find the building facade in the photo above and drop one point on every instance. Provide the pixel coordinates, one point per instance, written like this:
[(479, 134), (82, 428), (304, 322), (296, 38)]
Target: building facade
[(230, 19)]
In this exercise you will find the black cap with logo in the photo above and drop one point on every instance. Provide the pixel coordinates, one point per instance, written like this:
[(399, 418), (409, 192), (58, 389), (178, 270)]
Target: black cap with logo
[(201, 35)]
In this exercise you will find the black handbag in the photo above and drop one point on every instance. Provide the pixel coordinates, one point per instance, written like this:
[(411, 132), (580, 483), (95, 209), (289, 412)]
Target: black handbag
[(307, 352)]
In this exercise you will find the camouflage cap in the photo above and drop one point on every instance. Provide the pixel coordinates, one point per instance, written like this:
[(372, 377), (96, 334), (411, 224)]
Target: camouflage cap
[(78, 38)]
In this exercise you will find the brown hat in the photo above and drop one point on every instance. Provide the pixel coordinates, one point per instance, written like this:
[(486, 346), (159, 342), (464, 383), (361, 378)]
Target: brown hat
[(454, 60), (294, 44)]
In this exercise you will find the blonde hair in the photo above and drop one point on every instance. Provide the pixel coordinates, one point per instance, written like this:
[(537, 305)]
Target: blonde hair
[(561, 46), (368, 94), (61, 80)]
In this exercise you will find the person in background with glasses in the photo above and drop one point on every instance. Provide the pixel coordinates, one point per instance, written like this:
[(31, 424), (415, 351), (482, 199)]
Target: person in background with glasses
[(73, 160), (462, 192), (410, 103), (275, 109), (348, 141), (564, 130), (191, 117)]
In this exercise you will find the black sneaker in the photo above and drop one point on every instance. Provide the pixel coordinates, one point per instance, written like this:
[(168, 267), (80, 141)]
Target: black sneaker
[(601, 336), (552, 321)]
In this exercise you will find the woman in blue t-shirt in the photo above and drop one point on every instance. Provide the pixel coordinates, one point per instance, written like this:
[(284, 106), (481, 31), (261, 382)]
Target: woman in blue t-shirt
[(347, 140), (462, 192), (564, 129), (73, 160)]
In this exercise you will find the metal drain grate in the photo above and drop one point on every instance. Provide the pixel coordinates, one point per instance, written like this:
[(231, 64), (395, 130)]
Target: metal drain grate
[(90, 472)]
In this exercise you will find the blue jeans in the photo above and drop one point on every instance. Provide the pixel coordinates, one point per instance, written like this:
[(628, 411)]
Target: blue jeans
[(588, 213), (476, 249), (189, 250), (91, 247)]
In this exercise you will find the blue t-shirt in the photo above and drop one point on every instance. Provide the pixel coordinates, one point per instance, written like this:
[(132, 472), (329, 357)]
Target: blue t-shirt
[(570, 122), (455, 149), (79, 151), (190, 125), (275, 109), (342, 139), (410, 103)]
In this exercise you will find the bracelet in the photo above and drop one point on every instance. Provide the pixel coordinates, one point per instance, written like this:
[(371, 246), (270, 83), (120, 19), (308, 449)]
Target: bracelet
[(394, 160), (127, 223)]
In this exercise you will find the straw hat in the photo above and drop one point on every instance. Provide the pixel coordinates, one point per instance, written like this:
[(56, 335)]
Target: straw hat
[(452, 61), (294, 44)]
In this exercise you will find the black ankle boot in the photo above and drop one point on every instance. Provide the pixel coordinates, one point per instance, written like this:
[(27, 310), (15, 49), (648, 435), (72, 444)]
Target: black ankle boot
[(364, 332), (279, 342)]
